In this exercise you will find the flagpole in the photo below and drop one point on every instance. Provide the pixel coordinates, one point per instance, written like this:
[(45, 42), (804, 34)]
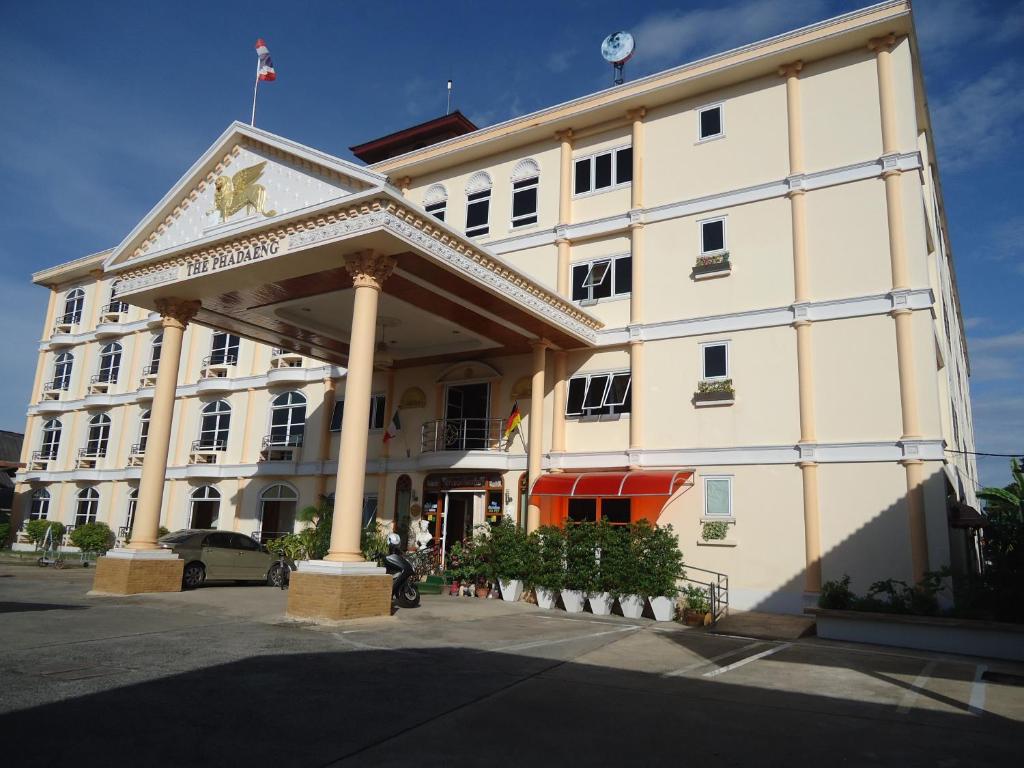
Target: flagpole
[(255, 88)]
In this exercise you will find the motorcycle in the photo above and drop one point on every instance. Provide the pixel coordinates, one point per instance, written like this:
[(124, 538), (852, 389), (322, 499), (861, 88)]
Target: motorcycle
[(403, 583)]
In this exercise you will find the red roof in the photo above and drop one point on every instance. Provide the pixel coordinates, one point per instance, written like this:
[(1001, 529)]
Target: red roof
[(634, 483), (418, 136)]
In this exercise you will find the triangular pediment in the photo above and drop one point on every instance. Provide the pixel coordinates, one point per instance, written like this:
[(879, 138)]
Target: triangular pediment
[(246, 178)]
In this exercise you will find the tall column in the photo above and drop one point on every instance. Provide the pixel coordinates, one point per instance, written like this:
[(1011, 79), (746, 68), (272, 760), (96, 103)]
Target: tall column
[(565, 180), (902, 317), (536, 431), (324, 453), (637, 293), (558, 394), (804, 333), (176, 315), (369, 271)]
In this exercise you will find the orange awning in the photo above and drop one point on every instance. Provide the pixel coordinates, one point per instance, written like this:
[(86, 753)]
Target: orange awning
[(634, 483)]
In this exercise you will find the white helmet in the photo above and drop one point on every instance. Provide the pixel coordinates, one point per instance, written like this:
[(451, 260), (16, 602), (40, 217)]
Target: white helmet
[(394, 539)]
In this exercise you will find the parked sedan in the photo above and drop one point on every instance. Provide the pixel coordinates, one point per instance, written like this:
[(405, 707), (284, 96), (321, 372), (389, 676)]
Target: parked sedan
[(221, 555)]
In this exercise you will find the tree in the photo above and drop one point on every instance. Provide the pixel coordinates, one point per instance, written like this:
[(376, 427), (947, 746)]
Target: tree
[(1002, 586)]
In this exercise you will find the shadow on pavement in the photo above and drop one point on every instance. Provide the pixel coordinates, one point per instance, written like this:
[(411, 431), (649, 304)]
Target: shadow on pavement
[(10, 607)]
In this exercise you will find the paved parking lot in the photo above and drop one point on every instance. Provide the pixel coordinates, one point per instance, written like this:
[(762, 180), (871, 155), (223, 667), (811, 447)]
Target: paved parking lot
[(219, 677)]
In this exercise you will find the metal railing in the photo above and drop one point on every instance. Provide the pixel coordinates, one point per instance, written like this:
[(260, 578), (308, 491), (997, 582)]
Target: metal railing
[(293, 440), (44, 455), (57, 385), (219, 358), (717, 585), (285, 358), (462, 435), (107, 377), (204, 445), (68, 319), (97, 451), (115, 308)]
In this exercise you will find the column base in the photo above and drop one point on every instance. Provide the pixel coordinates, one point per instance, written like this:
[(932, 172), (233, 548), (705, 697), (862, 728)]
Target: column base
[(131, 572), (322, 591)]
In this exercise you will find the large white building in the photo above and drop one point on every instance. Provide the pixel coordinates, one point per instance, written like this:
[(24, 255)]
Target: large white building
[(721, 293)]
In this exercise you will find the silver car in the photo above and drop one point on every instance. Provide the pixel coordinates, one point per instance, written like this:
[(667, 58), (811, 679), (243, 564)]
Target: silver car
[(221, 555)]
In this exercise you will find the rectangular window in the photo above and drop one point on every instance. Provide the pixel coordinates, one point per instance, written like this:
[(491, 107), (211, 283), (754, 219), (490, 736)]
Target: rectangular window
[(437, 209), (710, 119), (712, 236), (524, 202), (583, 510), (599, 394), (376, 413), (603, 171), (718, 497), (478, 210), (715, 360), (602, 278), (616, 511)]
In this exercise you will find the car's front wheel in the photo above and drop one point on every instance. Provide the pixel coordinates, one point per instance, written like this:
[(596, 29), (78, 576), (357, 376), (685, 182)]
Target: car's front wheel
[(277, 576), (193, 576)]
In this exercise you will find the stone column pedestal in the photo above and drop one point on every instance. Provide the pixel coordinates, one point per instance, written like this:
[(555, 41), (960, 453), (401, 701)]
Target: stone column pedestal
[(323, 590), (130, 572)]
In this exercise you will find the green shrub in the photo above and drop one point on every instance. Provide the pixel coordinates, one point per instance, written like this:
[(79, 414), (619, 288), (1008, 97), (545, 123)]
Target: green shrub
[(715, 387), (5, 531), (697, 598), (837, 595), (93, 537), (373, 542), (293, 545), (715, 530), (510, 554), (580, 557), (36, 530), (614, 569), (548, 545), (161, 532), (664, 561)]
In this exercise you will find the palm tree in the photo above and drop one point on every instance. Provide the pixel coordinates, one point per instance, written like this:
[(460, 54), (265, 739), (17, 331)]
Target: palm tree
[(1004, 546), (1006, 503)]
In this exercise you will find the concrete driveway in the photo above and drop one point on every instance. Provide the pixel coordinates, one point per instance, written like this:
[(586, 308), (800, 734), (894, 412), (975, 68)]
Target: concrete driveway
[(219, 677)]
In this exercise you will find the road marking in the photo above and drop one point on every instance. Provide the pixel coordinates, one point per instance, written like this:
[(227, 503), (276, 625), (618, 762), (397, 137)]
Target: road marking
[(712, 660), (977, 705), (581, 621), (748, 660), (916, 687), (539, 643)]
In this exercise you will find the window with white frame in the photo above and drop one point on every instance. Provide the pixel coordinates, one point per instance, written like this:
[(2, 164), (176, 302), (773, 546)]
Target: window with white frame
[(598, 394), (214, 426), (714, 361), (602, 278), (224, 349), (478, 204), (435, 201), (143, 430), (73, 304), (133, 502), (51, 439), (287, 419), (87, 507), (525, 180), (717, 496), (712, 236), (369, 510), (154, 353), (376, 413), (40, 507), (110, 363), (710, 124), (98, 436), (62, 366), (603, 170)]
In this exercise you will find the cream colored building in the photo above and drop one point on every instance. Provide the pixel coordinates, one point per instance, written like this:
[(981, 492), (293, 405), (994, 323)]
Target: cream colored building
[(769, 217)]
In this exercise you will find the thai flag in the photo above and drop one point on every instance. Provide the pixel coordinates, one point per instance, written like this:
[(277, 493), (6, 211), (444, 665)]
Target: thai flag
[(266, 67)]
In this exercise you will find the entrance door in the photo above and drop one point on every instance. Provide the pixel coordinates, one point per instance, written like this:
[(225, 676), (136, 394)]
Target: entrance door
[(460, 517), (466, 410)]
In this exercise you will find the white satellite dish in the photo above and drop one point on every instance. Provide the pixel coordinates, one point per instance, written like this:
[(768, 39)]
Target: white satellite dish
[(617, 49)]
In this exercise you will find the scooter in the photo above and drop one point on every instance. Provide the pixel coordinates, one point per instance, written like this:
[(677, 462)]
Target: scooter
[(403, 584)]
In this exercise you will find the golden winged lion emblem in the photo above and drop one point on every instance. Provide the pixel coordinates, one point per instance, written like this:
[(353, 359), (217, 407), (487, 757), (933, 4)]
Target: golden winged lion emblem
[(233, 193)]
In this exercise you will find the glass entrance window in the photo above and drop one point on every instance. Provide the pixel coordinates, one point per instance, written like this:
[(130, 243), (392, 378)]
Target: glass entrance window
[(278, 505), (205, 507), (615, 510)]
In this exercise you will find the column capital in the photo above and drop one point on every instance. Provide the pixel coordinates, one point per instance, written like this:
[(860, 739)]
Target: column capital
[(369, 269), (883, 43), (177, 312), (95, 274), (536, 344), (636, 114), (792, 69), (566, 135)]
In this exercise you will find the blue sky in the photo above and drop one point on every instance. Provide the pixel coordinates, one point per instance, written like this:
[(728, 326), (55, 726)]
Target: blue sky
[(105, 105)]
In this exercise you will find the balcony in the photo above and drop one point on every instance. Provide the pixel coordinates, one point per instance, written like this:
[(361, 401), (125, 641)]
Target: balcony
[(282, 358), (110, 321), (136, 455), (219, 365), (148, 378), (40, 460), (65, 324), (207, 451), (462, 435), (53, 391), (89, 456), (102, 383), (281, 447)]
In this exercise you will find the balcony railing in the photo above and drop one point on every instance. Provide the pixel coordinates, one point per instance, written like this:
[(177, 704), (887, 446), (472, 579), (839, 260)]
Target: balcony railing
[(148, 378), (100, 382), (216, 365), (136, 454), (41, 458), (462, 435), (52, 389), (115, 308), (283, 358), (66, 322), (87, 456), (280, 447), (206, 450)]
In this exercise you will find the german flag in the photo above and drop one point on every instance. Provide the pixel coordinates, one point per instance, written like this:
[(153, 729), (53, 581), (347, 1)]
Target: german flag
[(513, 421)]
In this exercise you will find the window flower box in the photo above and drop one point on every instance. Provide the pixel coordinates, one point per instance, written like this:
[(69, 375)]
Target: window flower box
[(712, 265), (718, 392)]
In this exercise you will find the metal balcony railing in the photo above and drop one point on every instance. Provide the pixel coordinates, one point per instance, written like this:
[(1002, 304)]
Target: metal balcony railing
[(57, 385), (219, 358), (206, 445), (293, 440), (462, 435), (115, 308), (44, 455), (67, 321), (104, 377), (284, 358)]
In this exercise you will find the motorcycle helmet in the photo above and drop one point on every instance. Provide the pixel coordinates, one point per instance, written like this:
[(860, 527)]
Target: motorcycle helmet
[(394, 540)]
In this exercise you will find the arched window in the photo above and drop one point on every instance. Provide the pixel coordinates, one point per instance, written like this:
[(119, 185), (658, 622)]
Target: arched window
[(133, 502), (436, 201), (88, 506), (154, 355), (224, 350), (40, 508), (51, 439), (478, 204), (205, 507), (110, 363), (525, 179), (277, 511), (143, 431), (62, 366), (99, 434), (287, 419), (213, 431), (73, 304)]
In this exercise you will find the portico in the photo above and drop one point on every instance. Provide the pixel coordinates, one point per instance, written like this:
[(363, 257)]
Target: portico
[(336, 265)]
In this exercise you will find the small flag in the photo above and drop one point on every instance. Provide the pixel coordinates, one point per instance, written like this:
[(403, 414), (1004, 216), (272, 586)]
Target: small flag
[(393, 428), (513, 420), (266, 67)]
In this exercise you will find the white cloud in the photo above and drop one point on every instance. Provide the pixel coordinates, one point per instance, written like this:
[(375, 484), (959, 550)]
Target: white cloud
[(970, 323), (944, 27)]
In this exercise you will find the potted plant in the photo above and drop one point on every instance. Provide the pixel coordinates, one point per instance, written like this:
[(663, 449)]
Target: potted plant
[(712, 264), (510, 557), (717, 392), (580, 565), (480, 561), (631, 587), (611, 541), (697, 605), (454, 569), (548, 546), (662, 570), (714, 530)]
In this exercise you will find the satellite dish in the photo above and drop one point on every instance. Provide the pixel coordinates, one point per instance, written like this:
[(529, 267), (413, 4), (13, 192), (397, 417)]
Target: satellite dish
[(617, 49)]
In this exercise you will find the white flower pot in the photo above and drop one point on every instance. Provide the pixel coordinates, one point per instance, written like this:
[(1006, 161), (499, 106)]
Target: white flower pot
[(632, 606), (573, 600), (664, 608), (511, 590), (546, 598), (601, 603)]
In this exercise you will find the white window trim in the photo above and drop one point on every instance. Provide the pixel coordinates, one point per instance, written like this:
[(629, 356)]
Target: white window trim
[(372, 429), (590, 264), (728, 366), (616, 183), (725, 234), (611, 373), (720, 106), (512, 201), (487, 225), (710, 516)]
